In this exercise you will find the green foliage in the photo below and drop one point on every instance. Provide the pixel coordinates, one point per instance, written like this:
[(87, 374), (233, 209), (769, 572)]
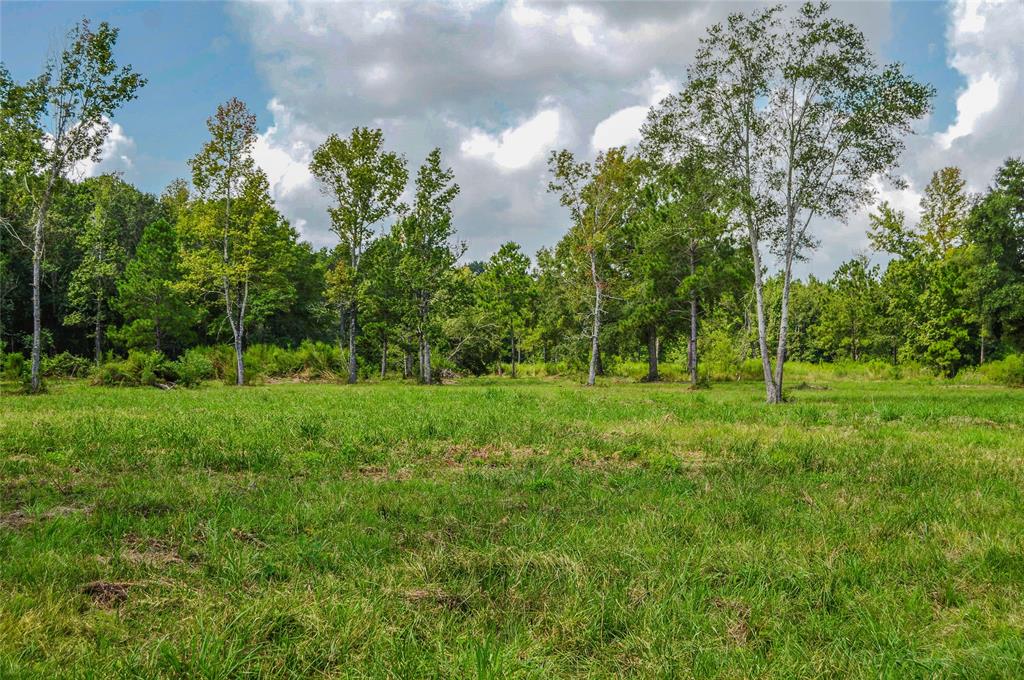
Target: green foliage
[(138, 369), (192, 368), (65, 365), (1008, 371)]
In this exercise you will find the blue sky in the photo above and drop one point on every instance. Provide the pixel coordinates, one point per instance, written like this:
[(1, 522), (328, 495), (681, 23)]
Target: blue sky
[(494, 85)]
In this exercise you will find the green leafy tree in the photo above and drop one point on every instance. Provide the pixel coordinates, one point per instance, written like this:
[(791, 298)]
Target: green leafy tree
[(995, 229), (428, 252), (235, 244), (504, 288), (365, 183), (71, 107), (801, 118), (600, 198), (94, 280), (157, 315)]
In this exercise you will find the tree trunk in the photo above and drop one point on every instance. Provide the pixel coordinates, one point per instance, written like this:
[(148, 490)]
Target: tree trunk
[(762, 331), (513, 336), (37, 263), (352, 330), (596, 329), (652, 354), (239, 358), (98, 332), (982, 357), (407, 366), (384, 358), (428, 377), (780, 355), (691, 347)]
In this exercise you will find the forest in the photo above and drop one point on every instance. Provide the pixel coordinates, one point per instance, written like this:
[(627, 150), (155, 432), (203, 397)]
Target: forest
[(679, 252)]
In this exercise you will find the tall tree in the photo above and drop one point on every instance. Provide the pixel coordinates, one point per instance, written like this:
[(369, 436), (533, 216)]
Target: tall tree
[(800, 115), (429, 254), (157, 316), (995, 228), (235, 243), (505, 287), (600, 198), (93, 281), (78, 93), (365, 183)]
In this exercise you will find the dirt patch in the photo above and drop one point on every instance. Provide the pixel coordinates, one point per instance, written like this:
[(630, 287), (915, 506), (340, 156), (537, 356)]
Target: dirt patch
[(248, 537), (106, 593), (738, 630), (435, 596), (19, 519), (458, 455), (149, 551)]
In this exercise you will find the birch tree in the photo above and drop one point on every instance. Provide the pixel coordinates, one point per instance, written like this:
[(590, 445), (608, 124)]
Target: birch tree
[(599, 197), (365, 183), (234, 242), (801, 116), (73, 101)]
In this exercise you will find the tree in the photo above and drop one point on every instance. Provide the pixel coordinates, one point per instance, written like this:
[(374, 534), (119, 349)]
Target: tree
[(428, 255), (600, 198), (365, 183), (234, 241), (801, 118), (848, 319), (995, 229), (157, 315), (505, 287), (382, 293), (686, 251), (77, 94), (93, 281)]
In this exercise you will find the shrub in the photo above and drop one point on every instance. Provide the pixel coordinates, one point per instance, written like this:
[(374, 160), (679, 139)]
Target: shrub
[(65, 365), (1008, 371), (14, 366), (193, 367), (139, 368)]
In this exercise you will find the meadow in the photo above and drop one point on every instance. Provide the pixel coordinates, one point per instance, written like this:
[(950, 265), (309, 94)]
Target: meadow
[(513, 528)]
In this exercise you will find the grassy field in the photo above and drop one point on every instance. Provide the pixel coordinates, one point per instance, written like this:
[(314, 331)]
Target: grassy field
[(512, 529)]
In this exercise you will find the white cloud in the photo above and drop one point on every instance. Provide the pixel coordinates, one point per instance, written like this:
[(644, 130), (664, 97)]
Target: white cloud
[(115, 155), (622, 128), (517, 147), (284, 157)]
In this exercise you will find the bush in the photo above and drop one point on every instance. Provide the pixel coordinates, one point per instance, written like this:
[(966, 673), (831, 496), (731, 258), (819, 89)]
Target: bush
[(14, 366), (65, 365), (140, 368), (1008, 371), (193, 367)]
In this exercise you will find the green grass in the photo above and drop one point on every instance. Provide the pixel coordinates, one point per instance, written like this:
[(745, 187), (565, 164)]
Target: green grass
[(512, 529)]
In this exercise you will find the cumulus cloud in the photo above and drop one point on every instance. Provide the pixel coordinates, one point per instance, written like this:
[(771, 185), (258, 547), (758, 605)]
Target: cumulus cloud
[(494, 85), (115, 155), (516, 147)]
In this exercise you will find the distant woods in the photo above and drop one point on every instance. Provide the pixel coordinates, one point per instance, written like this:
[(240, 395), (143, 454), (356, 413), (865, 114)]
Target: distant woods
[(681, 250)]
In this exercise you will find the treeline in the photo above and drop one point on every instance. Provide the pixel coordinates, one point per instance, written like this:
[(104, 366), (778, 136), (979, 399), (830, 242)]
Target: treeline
[(667, 255)]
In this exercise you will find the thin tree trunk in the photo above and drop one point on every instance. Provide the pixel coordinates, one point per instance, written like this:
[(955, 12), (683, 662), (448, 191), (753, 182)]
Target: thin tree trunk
[(652, 354), (37, 264), (762, 340), (982, 357), (780, 355), (691, 348), (384, 358), (596, 329), (352, 330), (428, 377), (98, 332), (407, 366), (512, 334)]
